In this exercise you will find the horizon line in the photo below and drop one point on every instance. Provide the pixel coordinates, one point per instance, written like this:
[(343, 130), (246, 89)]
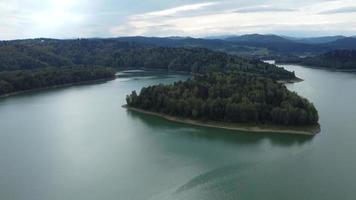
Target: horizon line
[(211, 37)]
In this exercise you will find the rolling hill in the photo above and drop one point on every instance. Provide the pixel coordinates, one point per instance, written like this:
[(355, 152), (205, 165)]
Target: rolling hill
[(254, 45), (317, 40)]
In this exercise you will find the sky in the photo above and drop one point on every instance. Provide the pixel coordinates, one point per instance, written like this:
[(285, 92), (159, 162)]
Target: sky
[(64, 19)]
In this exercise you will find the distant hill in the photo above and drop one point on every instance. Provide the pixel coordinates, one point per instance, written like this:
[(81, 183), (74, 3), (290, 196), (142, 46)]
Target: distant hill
[(296, 45), (257, 38), (254, 46), (259, 46), (345, 43), (274, 43), (213, 44), (175, 41), (317, 40)]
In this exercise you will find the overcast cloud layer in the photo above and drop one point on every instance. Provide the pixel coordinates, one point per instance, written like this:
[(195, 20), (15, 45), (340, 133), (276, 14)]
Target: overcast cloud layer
[(197, 18)]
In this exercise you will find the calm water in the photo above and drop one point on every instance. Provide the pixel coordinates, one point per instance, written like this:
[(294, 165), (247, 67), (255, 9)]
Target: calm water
[(78, 143)]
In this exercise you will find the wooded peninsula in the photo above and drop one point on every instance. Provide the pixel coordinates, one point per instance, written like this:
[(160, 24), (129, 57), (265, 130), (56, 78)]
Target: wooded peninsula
[(224, 88), (230, 97)]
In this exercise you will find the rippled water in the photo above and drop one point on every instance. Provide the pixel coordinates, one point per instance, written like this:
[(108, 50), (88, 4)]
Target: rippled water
[(79, 143)]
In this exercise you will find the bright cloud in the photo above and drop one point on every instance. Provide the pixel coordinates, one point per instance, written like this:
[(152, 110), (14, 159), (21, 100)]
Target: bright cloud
[(178, 9), (263, 8)]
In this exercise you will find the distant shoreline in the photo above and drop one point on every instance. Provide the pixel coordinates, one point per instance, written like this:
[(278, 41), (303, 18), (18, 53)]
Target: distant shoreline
[(304, 130), (318, 67)]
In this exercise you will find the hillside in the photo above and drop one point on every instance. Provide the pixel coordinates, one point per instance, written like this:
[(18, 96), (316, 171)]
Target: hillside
[(258, 38), (254, 45), (340, 59), (317, 40), (345, 43)]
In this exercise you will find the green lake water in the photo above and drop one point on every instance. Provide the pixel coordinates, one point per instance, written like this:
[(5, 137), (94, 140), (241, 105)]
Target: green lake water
[(78, 143)]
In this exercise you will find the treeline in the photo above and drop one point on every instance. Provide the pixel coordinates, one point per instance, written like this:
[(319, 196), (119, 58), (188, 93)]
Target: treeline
[(227, 97), (42, 53), (339, 59), (15, 81)]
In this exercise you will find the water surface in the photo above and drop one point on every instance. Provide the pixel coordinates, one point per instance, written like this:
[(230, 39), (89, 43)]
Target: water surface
[(79, 143)]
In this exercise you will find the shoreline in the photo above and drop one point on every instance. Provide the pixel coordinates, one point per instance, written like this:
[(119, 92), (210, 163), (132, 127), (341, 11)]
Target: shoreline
[(318, 67), (306, 130), (55, 86), (295, 80), (155, 70), (283, 81)]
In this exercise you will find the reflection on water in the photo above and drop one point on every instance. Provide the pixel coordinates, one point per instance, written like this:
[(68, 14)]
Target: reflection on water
[(229, 136), (144, 74)]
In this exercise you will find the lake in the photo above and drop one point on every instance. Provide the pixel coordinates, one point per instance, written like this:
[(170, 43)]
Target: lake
[(79, 143)]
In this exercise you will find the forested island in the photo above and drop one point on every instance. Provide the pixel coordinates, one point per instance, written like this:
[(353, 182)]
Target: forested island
[(24, 80), (230, 99)]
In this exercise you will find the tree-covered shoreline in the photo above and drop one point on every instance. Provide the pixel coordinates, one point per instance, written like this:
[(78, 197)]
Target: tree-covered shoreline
[(25, 80), (231, 96), (32, 64), (343, 60), (339, 59)]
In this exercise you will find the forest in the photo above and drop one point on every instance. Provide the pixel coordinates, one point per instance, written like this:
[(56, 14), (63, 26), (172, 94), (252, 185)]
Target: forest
[(22, 80), (339, 59), (42, 53), (36, 63), (342, 59), (230, 96)]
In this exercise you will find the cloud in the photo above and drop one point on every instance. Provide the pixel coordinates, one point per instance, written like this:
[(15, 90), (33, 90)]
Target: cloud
[(160, 22), (264, 8), (172, 11), (224, 18), (340, 10)]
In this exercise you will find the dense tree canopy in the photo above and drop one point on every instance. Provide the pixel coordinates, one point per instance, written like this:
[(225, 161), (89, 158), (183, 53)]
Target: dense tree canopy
[(30, 64), (42, 53), (15, 81), (340, 59), (227, 97)]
